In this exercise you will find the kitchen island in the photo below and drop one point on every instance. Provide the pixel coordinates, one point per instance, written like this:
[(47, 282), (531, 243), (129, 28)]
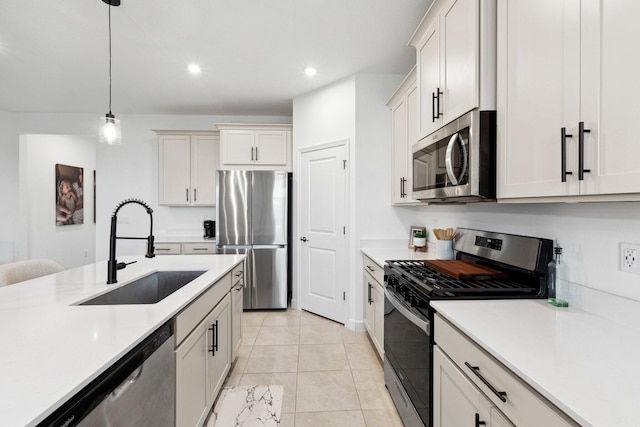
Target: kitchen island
[(53, 347)]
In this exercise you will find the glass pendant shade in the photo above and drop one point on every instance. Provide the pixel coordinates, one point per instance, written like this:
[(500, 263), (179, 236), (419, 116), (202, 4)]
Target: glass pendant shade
[(110, 132)]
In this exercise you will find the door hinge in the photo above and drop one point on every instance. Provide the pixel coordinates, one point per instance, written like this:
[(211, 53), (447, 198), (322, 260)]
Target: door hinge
[(344, 164), (344, 296)]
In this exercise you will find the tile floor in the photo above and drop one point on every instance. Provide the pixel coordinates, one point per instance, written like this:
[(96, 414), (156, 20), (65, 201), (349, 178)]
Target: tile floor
[(331, 375)]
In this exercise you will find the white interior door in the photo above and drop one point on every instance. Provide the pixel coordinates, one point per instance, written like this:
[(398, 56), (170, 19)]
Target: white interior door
[(322, 242)]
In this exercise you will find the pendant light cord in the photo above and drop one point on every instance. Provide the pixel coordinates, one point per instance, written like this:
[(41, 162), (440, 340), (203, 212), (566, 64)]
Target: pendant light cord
[(110, 59)]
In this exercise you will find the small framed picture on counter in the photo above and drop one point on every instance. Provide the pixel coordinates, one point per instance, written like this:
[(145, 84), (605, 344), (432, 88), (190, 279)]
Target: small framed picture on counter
[(417, 238)]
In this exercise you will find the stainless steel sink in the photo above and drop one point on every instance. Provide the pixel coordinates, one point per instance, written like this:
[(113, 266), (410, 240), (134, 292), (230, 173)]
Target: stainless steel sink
[(149, 289)]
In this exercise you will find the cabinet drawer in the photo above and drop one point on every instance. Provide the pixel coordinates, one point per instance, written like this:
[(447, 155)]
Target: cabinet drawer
[(374, 269), (166, 248), (193, 314), (524, 406), (198, 248), (237, 274)]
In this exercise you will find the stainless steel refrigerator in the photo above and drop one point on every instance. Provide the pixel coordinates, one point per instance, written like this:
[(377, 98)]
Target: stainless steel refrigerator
[(252, 215)]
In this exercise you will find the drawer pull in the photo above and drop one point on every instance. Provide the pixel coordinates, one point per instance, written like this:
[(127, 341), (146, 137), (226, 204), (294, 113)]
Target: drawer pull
[(200, 249), (371, 268), (161, 249), (502, 395)]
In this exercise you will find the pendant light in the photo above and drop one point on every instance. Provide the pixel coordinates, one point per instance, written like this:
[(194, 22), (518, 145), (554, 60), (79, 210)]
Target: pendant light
[(109, 132)]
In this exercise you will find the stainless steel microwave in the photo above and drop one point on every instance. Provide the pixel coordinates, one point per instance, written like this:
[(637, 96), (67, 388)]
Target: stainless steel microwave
[(457, 163)]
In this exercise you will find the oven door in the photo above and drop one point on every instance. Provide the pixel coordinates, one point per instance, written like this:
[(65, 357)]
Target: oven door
[(408, 353)]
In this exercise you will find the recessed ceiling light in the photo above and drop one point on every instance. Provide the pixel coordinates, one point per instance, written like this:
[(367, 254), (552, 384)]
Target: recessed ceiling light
[(310, 71), (194, 69)]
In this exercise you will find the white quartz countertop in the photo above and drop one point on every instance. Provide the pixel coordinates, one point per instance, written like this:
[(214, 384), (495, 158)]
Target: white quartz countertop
[(586, 365), (380, 255), (52, 348)]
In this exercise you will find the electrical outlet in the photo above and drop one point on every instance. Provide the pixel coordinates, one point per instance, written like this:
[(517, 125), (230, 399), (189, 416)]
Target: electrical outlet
[(629, 262)]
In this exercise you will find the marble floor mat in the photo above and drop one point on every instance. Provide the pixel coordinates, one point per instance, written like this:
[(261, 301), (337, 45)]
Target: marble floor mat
[(248, 406)]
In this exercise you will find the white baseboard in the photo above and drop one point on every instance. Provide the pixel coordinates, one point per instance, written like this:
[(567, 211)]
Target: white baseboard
[(355, 325)]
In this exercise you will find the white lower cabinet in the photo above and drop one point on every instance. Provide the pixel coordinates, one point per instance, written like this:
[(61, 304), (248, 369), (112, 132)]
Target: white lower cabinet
[(237, 297), (456, 401), (203, 353), (204, 248), (468, 381), (374, 303)]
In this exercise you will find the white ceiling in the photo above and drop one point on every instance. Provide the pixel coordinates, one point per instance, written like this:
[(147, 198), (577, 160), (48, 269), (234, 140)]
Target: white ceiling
[(54, 54)]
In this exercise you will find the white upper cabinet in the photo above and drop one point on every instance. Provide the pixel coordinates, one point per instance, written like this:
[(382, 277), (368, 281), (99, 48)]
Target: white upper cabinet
[(455, 46), (187, 164), (404, 108), (565, 108), (255, 146), (610, 99)]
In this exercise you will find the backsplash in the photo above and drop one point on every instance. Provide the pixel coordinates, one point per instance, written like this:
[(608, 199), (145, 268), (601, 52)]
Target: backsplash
[(589, 233)]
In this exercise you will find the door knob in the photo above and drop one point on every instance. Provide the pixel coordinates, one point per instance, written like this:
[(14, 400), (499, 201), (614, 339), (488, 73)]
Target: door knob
[(304, 239)]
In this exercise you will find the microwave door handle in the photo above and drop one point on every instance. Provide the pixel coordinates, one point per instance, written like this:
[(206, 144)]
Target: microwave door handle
[(449, 159)]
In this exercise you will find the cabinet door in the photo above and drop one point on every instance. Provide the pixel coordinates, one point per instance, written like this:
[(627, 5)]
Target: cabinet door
[(237, 146), (538, 94), (369, 308), (271, 147), (498, 419), (610, 106), (412, 138), (460, 57), (220, 340), (428, 57), (378, 315), (456, 401), (174, 171), (205, 153), (192, 385), (400, 152), (236, 319)]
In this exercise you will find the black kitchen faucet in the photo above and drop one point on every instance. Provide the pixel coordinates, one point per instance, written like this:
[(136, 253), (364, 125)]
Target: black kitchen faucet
[(113, 266)]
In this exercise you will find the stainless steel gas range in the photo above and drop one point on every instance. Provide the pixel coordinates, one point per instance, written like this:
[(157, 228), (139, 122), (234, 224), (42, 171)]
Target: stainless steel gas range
[(409, 287)]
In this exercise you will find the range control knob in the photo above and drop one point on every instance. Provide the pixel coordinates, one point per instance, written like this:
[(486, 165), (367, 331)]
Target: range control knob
[(407, 296)]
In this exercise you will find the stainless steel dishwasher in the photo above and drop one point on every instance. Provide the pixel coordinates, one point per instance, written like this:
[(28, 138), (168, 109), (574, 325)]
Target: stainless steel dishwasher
[(138, 390)]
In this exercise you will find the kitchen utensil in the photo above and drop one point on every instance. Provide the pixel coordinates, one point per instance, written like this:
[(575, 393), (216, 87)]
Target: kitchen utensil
[(465, 270), (444, 234)]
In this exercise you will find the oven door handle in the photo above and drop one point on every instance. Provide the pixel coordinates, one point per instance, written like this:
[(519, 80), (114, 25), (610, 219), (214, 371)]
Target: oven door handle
[(423, 324), (448, 159)]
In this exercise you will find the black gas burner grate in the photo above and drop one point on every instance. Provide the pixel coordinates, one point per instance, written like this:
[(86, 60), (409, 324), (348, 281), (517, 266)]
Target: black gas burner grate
[(436, 285)]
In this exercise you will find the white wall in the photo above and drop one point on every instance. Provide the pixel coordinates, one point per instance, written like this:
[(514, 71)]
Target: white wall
[(589, 233), (123, 171), (71, 245), (320, 117), (353, 109), (9, 188)]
